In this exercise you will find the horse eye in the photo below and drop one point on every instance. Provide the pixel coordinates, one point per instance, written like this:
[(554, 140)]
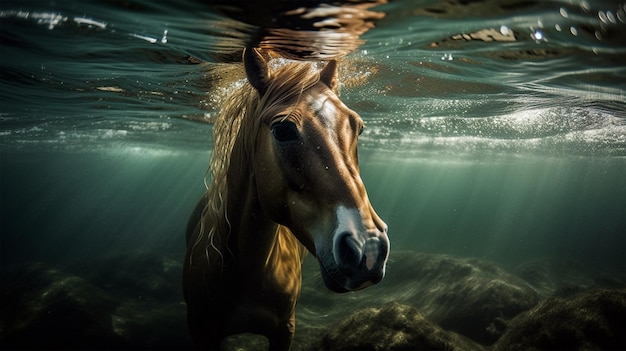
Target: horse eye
[(285, 131), (361, 129)]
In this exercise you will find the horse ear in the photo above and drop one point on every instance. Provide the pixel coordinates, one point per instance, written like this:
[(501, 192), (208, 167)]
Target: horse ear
[(257, 70), (328, 75)]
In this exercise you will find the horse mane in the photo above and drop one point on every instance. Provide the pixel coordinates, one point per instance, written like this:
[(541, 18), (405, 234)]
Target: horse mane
[(241, 115)]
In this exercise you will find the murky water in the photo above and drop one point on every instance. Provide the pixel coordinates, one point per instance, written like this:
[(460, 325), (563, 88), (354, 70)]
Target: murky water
[(494, 129)]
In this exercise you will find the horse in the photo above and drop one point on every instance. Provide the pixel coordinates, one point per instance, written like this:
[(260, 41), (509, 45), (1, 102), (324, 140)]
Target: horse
[(284, 180)]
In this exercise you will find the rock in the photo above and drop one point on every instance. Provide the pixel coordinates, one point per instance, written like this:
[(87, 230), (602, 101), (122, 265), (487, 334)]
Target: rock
[(125, 301), (470, 296), (133, 301), (540, 274), (594, 320), (152, 325), (151, 312), (45, 308), (392, 327), (134, 274), (561, 278)]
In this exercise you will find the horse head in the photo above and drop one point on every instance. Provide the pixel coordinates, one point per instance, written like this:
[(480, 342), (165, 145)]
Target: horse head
[(307, 176)]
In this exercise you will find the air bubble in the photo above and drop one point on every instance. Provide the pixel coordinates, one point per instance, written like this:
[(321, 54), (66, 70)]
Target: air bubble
[(621, 15), (585, 6), (611, 17), (537, 35)]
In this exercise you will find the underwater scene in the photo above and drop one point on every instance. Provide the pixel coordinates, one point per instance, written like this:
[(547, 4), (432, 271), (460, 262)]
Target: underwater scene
[(493, 147)]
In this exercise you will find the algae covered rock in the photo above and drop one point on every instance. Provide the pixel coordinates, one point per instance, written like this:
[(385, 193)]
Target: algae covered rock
[(392, 327), (594, 320), (144, 274), (45, 308), (125, 301), (470, 296)]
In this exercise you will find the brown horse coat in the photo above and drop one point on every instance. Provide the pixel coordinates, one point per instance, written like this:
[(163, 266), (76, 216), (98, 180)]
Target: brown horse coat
[(284, 177)]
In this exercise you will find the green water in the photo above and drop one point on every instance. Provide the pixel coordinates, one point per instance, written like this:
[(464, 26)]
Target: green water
[(507, 210), (494, 130), (506, 150)]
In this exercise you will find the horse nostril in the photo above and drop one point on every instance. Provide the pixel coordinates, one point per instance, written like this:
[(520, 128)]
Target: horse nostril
[(349, 252)]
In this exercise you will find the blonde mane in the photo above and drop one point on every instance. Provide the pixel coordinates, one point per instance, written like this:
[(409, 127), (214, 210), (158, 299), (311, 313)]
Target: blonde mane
[(241, 116)]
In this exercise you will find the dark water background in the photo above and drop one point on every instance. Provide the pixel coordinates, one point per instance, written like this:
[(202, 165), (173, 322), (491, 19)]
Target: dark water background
[(506, 150), (509, 149)]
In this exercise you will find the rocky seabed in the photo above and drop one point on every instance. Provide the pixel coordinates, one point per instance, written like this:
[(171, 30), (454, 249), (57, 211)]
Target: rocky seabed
[(133, 300)]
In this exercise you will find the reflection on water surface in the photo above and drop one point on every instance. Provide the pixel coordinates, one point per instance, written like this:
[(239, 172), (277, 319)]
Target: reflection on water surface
[(306, 30)]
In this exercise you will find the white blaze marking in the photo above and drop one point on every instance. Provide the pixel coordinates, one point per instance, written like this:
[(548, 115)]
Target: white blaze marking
[(350, 220), (347, 221), (324, 105), (347, 218), (328, 108), (325, 109)]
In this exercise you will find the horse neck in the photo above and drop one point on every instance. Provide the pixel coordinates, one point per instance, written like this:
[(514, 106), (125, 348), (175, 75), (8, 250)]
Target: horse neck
[(257, 242), (252, 234)]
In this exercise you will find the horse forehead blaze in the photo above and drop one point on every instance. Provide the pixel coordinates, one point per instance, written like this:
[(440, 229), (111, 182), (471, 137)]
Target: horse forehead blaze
[(323, 106), (329, 109)]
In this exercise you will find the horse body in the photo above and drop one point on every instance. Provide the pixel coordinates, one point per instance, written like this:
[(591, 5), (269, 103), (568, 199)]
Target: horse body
[(285, 180)]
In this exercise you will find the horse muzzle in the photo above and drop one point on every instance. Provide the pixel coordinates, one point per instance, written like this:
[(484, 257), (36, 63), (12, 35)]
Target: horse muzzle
[(358, 253)]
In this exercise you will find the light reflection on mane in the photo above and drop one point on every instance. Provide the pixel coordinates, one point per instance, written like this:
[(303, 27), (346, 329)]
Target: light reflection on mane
[(239, 110)]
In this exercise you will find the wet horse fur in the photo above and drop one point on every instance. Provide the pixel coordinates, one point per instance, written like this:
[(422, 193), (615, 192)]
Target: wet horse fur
[(284, 181)]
